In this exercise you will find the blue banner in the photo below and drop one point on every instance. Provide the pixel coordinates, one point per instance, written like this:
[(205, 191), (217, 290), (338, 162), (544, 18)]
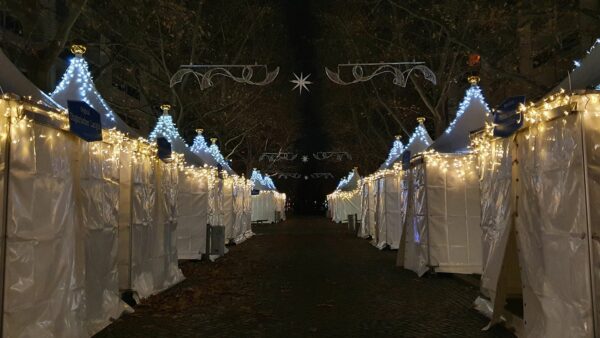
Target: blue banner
[(84, 121), (506, 118)]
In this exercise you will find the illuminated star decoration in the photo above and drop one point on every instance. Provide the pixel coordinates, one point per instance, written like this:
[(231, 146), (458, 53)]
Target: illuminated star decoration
[(304, 158), (301, 82)]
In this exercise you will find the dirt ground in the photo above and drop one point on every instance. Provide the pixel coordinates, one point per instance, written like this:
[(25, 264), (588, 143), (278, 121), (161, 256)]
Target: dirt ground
[(306, 277)]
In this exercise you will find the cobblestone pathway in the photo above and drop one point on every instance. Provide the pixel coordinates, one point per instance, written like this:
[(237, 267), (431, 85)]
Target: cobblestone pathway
[(306, 277)]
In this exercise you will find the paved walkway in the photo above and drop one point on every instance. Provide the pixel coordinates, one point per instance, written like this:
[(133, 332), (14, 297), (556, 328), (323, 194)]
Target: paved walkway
[(302, 278)]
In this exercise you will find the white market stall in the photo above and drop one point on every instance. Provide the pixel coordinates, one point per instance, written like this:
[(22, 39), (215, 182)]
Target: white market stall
[(442, 225), (60, 220), (346, 199), (191, 198), (268, 205), (387, 204), (146, 198), (540, 247), (419, 141)]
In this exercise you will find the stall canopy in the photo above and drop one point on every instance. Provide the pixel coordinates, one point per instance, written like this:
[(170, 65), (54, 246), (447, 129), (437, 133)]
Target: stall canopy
[(586, 74), (261, 182), (13, 81), (350, 182), (166, 128), (200, 148), (472, 114), (77, 85), (394, 154), (216, 154), (419, 140)]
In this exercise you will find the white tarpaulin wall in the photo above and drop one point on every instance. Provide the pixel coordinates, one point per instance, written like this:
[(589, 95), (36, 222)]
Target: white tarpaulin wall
[(214, 202), (555, 227), (149, 263), (367, 226), (558, 183), (264, 206), (228, 211), (389, 220), (193, 215), (243, 211), (247, 219), (443, 231), (342, 206), (61, 277), (495, 171)]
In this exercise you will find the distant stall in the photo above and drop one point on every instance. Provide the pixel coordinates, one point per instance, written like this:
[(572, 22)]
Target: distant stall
[(346, 199)]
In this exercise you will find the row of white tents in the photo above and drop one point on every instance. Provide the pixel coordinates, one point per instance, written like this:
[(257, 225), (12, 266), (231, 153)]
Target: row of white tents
[(518, 209), (85, 221)]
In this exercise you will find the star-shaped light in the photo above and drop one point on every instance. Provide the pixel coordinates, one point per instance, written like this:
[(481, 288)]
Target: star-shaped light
[(304, 158), (301, 82)]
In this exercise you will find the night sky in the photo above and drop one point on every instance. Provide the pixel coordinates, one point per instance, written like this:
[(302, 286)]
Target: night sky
[(303, 31)]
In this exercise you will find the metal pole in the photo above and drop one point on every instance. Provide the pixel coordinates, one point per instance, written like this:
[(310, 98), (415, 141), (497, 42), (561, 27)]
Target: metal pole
[(7, 144)]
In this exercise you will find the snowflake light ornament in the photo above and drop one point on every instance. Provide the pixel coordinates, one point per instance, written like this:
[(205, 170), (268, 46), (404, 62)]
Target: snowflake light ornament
[(301, 82)]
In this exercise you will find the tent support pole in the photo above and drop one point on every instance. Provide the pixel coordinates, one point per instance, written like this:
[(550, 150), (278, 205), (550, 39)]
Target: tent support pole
[(3, 234), (590, 230)]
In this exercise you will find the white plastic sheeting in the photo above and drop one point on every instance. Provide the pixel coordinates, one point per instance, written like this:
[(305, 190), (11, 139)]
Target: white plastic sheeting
[(228, 211), (61, 272), (556, 225), (98, 200), (247, 219), (166, 265), (443, 230), (367, 226), (193, 215), (495, 168), (389, 221), (44, 291), (264, 206), (342, 206), (149, 262)]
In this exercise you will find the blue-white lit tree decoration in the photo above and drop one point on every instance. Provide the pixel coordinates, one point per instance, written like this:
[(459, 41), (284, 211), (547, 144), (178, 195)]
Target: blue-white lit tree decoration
[(419, 135), (200, 148), (473, 93), (216, 154), (395, 152), (77, 85), (165, 127), (261, 182)]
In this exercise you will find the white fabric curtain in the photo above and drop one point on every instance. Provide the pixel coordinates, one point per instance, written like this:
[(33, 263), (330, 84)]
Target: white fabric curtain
[(193, 215)]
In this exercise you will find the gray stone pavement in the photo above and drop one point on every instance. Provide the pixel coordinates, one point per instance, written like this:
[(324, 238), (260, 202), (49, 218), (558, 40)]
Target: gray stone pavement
[(306, 277)]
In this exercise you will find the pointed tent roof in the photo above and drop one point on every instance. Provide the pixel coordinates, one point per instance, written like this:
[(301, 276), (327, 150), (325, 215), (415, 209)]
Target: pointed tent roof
[(471, 115), (77, 85), (13, 81), (350, 182), (394, 154), (261, 182), (200, 148), (586, 73), (166, 128), (216, 154), (420, 139)]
